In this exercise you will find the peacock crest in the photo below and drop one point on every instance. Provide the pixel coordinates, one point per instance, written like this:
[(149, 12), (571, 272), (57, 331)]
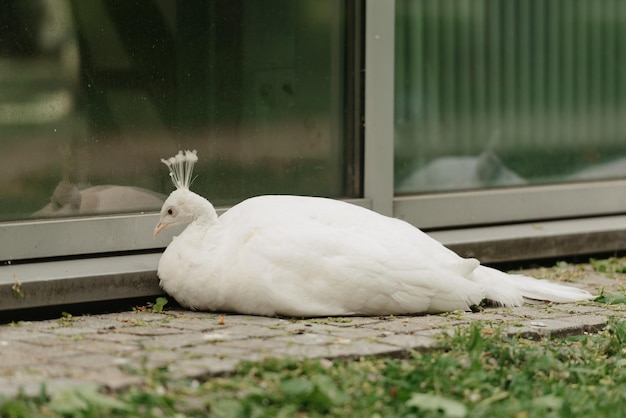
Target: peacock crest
[(181, 168)]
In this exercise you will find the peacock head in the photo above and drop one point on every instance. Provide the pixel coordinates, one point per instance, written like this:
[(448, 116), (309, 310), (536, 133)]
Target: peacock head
[(183, 206)]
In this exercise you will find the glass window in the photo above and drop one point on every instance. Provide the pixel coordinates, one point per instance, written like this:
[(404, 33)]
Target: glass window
[(94, 93), (493, 93)]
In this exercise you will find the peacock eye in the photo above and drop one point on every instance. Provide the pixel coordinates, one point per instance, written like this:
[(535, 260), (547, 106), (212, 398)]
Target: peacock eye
[(170, 211)]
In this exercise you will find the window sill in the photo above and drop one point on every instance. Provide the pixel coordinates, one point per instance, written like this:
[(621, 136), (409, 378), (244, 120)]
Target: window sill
[(538, 240), (78, 281), (131, 276)]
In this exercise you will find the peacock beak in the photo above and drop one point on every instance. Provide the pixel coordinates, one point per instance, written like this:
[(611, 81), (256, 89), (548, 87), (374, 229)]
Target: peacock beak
[(160, 227)]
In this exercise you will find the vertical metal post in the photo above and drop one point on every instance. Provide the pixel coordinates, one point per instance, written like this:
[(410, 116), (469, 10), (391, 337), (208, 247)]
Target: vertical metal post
[(379, 101)]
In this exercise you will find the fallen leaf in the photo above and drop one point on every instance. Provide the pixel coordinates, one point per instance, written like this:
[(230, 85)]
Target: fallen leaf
[(17, 288), (488, 331)]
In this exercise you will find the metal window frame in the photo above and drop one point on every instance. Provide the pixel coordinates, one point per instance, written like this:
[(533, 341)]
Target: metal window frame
[(525, 222)]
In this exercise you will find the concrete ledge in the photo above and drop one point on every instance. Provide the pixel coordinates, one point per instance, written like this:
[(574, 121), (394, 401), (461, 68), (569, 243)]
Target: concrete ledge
[(63, 282), (531, 241)]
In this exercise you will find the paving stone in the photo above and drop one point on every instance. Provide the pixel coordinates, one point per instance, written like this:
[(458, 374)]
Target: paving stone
[(112, 378), (410, 325), (491, 316), (547, 328), (437, 332), (89, 345), (101, 323), (179, 313), (38, 338), (90, 361), (251, 331), (148, 330), (18, 354), (306, 338), (358, 348), (351, 321), (218, 350), (195, 324), (28, 325), (525, 332), (351, 333), (301, 327), (12, 360), (131, 316), (172, 341), (530, 312), (114, 336), (50, 370), (222, 335), (257, 321), (71, 331), (202, 368), (19, 333), (149, 360), (589, 323), (410, 341), (570, 309), (261, 345)]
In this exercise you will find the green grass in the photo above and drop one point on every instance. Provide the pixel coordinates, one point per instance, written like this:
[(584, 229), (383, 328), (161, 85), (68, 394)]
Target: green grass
[(477, 372)]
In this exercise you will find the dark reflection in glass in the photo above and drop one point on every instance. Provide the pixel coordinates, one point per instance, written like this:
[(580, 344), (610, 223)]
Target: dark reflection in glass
[(94, 93)]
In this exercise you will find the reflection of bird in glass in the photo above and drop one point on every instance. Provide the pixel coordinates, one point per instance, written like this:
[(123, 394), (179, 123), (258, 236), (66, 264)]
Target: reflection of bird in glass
[(67, 199), (307, 256), (459, 173)]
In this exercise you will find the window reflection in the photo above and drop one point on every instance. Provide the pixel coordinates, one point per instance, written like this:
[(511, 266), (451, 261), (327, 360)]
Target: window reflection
[(93, 94), (508, 93), (68, 199), (460, 172)]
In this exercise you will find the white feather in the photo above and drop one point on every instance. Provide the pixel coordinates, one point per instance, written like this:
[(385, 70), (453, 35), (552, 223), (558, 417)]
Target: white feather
[(181, 168)]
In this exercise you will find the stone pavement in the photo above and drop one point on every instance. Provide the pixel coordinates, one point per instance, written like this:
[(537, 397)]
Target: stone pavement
[(117, 350)]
